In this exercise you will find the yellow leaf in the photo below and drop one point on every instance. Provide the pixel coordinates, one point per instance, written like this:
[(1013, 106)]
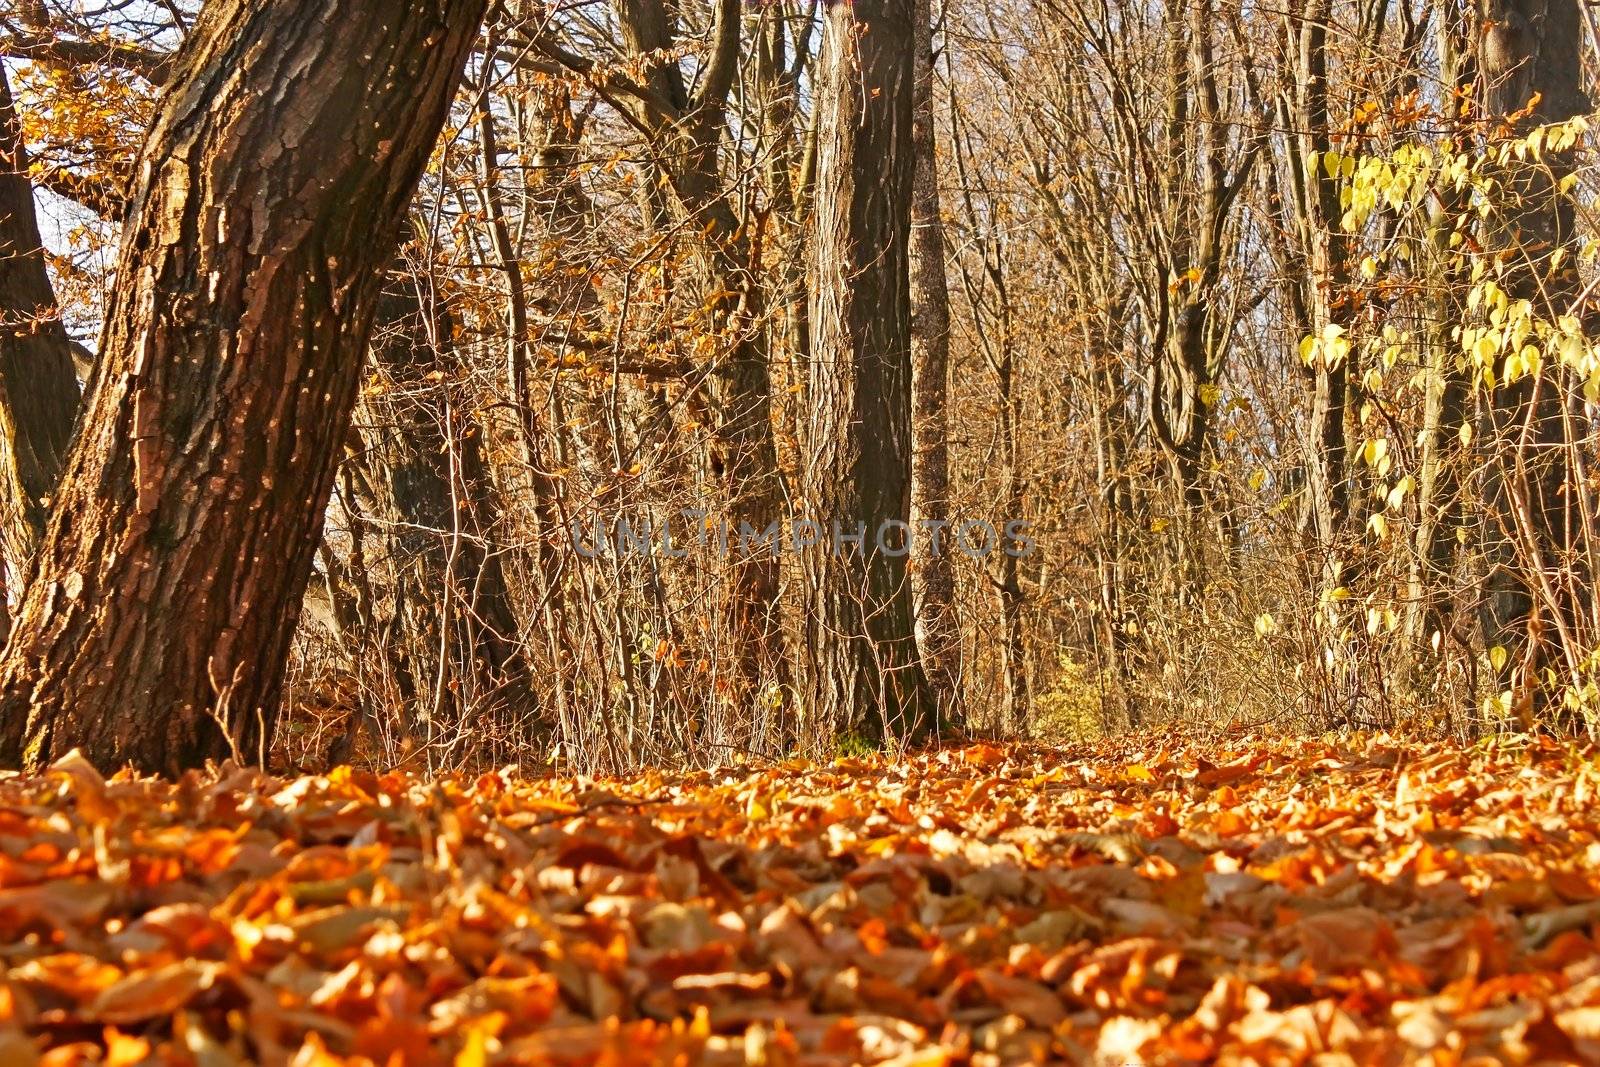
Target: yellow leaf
[(125, 1050), (475, 1049), (755, 809)]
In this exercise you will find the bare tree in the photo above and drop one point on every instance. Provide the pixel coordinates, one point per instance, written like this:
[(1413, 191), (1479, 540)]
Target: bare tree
[(684, 125), (426, 491)]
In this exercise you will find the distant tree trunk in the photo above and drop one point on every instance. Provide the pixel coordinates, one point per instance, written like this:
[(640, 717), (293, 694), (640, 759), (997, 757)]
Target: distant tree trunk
[(862, 670), (1530, 60), (271, 189), (38, 389), (1202, 180), (687, 127), (1447, 402), (1318, 287), (1008, 589), (536, 477), (565, 215), (457, 652), (1112, 438), (783, 54), (1326, 246), (933, 577)]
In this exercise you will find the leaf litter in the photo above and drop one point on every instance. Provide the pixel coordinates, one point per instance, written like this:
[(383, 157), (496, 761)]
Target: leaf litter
[(1158, 900)]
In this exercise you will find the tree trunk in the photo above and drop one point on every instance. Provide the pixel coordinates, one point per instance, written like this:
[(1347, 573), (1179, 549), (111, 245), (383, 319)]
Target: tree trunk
[(1327, 253), (1530, 60), (687, 128), (424, 466), (1113, 438), (1446, 405), (1189, 297), (271, 189), (933, 579), (38, 389), (1008, 589), (781, 58), (560, 204), (862, 671)]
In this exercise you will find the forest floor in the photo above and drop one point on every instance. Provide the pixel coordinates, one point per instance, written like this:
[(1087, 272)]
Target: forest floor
[(1241, 900)]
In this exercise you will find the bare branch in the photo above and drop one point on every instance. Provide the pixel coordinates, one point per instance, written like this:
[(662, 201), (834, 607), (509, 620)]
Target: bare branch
[(152, 65)]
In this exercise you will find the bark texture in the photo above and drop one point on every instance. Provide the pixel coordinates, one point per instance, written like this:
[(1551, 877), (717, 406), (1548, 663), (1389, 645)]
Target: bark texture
[(38, 389), (1447, 406), (933, 578), (862, 670), (268, 198), (1530, 61), (1327, 265)]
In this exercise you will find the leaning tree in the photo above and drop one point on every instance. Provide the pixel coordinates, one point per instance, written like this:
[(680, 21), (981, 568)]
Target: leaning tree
[(266, 204)]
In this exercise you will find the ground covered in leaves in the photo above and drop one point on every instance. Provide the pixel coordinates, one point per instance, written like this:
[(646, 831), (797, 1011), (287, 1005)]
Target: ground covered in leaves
[(1237, 901)]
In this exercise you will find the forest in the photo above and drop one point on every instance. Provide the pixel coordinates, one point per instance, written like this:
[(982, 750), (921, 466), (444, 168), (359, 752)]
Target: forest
[(799, 532)]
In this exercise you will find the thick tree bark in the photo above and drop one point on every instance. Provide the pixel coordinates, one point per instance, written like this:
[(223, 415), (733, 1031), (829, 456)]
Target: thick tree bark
[(38, 390), (270, 191), (1530, 61), (933, 577), (862, 670)]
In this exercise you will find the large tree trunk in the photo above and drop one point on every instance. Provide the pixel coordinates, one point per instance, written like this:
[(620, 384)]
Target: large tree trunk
[(862, 670), (271, 189), (1530, 61), (38, 390), (933, 579)]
